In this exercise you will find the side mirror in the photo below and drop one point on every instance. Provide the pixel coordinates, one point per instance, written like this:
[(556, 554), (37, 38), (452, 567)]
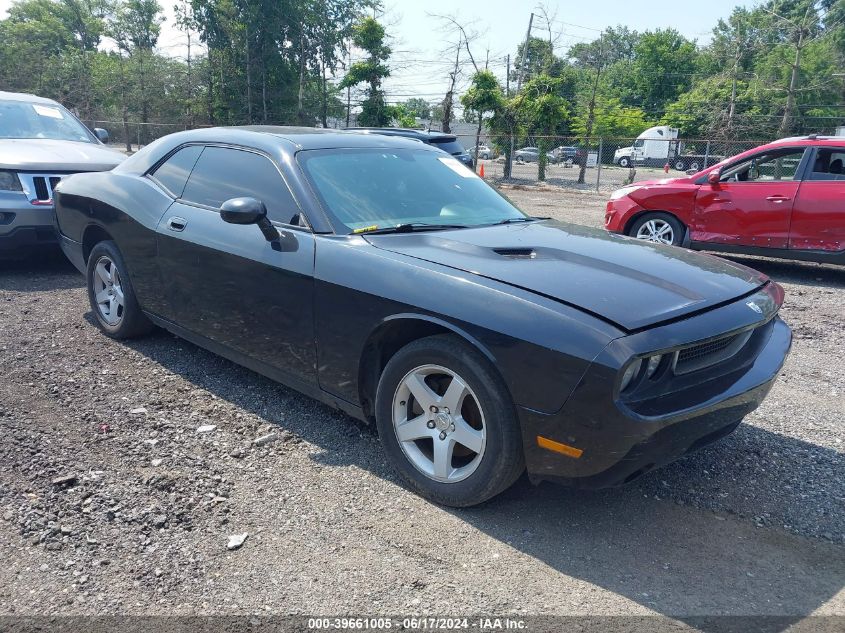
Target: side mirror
[(714, 176), (248, 211), (101, 134)]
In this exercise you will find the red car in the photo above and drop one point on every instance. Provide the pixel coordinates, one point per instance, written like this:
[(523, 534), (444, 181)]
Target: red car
[(785, 199)]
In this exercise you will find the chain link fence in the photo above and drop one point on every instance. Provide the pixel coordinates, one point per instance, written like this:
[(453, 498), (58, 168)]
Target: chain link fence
[(130, 136), (600, 164)]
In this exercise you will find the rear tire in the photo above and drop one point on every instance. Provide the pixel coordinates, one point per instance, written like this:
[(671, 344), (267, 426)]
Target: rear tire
[(111, 294), (435, 394), (662, 228)]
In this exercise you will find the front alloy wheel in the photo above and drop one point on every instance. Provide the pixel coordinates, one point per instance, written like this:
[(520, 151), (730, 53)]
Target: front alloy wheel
[(447, 423), (660, 228), (439, 423), (656, 230)]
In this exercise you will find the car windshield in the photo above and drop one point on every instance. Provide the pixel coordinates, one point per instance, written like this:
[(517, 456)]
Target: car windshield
[(22, 119), (368, 189)]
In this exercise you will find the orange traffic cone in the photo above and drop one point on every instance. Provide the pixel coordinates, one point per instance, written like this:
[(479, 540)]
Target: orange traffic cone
[(481, 171)]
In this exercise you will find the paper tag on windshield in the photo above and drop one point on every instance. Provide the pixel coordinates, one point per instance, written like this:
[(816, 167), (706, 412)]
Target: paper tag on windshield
[(53, 113), (457, 166)]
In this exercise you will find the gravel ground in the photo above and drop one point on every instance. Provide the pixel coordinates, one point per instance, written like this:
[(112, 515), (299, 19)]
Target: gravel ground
[(128, 468)]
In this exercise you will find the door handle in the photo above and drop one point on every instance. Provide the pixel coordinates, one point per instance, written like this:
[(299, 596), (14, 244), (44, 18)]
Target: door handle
[(777, 198), (177, 224)]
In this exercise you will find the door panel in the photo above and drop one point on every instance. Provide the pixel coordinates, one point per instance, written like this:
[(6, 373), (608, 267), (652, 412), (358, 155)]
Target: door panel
[(818, 216), (750, 214), (227, 283), (752, 205)]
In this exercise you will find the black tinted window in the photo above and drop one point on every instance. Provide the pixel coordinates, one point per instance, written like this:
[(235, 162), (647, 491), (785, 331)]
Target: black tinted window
[(173, 173), (829, 165), (221, 174), (451, 145)]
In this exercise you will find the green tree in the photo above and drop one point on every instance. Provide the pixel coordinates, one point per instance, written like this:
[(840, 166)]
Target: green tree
[(485, 95), (664, 66), (369, 36), (611, 119), (546, 112), (538, 58), (418, 107)]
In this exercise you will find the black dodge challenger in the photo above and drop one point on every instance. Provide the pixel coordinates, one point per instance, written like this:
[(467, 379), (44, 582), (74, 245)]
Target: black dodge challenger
[(381, 276)]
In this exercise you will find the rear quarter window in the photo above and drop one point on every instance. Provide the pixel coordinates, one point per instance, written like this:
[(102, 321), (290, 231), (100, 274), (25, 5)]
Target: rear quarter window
[(173, 173), (451, 146)]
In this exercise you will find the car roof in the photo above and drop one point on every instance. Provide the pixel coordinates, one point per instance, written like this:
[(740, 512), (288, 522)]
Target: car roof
[(280, 142), (24, 97), (810, 140), (422, 135)]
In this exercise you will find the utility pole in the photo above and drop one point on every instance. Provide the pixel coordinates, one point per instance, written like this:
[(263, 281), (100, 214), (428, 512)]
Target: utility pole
[(732, 108), (349, 89), (508, 78), (509, 162)]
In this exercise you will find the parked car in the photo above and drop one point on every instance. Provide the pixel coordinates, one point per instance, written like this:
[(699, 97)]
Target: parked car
[(40, 143), (446, 142), (532, 155), (484, 151), (783, 199), (380, 276), (564, 153)]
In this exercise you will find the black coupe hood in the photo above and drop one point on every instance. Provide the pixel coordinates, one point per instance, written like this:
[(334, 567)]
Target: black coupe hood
[(631, 283)]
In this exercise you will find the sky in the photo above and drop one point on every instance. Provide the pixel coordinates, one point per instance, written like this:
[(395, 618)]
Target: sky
[(419, 39)]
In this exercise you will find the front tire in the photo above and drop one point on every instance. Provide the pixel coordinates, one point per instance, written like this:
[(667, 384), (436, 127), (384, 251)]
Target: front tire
[(661, 228), (111, 295), (447, 423), (624, 162)]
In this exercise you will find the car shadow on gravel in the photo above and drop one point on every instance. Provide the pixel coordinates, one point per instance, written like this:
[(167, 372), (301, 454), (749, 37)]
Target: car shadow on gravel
[(46, 270), (786, 271), (710, 534)]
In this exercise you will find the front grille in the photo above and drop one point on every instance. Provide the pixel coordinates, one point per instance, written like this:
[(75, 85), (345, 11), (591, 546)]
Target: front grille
[(39, 187), (709, 353), (705, 349)]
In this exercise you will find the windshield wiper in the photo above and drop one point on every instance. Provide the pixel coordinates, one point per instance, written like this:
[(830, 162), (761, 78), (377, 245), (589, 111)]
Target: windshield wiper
[(410, 227), (518, 220)]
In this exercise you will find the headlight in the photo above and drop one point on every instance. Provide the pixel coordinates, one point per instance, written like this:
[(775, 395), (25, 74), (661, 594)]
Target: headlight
[(624, 191), (9, 181), (653, 364), (632, 370)]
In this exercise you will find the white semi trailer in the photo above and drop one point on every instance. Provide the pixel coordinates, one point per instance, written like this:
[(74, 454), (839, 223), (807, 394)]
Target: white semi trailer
[(660, 145)]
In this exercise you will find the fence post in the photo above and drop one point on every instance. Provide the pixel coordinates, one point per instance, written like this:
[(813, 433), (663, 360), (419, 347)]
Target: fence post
[(139, 135), (598, 164), (707, 155)]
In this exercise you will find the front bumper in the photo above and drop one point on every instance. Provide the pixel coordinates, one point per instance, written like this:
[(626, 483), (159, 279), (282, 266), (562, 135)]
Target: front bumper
[(618, 213), (618, 443), (24, 226)]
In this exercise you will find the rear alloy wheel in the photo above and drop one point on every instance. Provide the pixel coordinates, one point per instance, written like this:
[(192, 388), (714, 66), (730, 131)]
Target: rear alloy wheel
[(660, 228), (446, 422), (111, 294)]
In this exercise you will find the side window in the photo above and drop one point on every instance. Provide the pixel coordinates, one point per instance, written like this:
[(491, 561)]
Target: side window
[(222, 173), (829, 165), (781, 164), (173, 173)]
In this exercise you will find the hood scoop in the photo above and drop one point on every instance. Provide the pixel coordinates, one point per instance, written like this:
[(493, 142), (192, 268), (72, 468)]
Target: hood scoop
[(516, 253)]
